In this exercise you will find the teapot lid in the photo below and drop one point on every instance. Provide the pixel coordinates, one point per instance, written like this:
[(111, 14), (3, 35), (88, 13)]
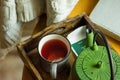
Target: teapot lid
[(94, 65)]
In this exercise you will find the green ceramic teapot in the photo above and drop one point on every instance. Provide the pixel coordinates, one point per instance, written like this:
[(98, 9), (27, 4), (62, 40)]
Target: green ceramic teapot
[(96, 62)]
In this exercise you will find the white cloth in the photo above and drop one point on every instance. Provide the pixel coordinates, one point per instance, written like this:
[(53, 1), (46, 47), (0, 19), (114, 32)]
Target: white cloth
[(9, 27), (28, 10), (14, 12), (58, 10)]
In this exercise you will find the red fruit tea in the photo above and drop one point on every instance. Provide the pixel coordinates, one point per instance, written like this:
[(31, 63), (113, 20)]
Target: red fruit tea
[(54, 50)]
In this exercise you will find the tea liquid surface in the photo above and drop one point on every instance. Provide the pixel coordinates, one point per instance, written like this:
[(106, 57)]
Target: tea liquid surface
[(54, 50)]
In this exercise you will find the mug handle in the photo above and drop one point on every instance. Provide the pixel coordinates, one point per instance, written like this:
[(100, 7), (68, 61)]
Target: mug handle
[(53, 71)]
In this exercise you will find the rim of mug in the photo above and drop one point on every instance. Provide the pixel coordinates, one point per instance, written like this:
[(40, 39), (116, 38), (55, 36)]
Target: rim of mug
[(68, 52)]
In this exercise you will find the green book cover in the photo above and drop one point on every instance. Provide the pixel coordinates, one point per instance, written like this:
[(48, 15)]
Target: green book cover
[(79, 46), (77, 39)]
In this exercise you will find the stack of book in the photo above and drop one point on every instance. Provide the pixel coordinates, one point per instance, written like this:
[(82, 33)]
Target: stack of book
[(106, 15)]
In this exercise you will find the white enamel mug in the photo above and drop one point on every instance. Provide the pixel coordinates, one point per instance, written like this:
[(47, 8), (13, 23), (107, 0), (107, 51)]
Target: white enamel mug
[(54, 51)]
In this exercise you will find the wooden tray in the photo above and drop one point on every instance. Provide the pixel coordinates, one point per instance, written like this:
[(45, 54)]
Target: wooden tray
[(28, 48)]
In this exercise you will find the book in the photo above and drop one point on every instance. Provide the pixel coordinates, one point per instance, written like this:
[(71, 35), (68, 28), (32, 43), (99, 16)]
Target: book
[(77, 39), (106, 15)]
